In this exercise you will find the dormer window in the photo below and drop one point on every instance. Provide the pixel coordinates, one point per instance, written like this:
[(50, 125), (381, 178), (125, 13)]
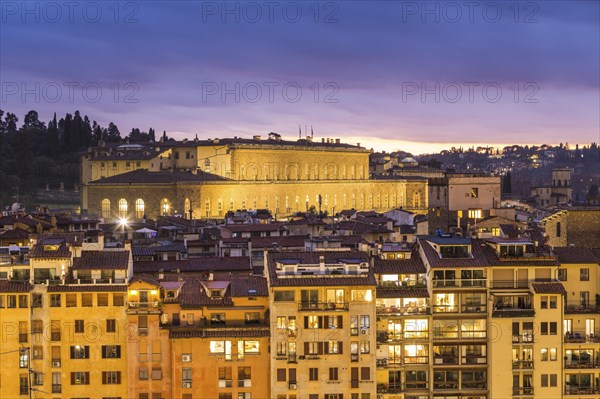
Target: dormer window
[(512, 251), (454, 251), (50, 247), (215, 293)]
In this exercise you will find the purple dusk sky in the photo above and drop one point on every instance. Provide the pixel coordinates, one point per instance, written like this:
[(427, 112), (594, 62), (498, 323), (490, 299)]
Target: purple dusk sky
[(412, 75)]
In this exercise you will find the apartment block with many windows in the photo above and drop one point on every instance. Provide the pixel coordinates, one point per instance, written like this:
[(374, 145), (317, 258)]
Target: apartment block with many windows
[(323, 325)]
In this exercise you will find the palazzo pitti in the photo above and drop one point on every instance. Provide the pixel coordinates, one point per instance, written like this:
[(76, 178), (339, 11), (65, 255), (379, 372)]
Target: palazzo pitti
[(211, 177)]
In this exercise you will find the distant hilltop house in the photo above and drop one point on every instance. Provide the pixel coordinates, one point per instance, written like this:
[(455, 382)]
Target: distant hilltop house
[(208, 178)]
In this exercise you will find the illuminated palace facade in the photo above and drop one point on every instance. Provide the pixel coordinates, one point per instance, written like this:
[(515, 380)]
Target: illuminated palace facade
[(207, 178)]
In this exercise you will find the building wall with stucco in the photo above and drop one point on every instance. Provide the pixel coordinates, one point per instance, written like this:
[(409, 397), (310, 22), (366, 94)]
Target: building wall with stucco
[(215, 199)]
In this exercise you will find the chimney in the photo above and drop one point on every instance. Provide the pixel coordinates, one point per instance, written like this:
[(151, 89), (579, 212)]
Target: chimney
[(101, 240), (321, 262), (337, 141), (256, 137), (211, 276), (127, 245)]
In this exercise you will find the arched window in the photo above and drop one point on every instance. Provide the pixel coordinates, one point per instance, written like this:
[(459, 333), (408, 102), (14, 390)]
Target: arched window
[(106, 208), (165, 207), (122, 208), (140, 209), (187, 206)]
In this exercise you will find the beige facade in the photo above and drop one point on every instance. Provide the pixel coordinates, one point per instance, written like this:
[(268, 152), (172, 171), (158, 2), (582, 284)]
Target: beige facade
[(285, 177), (215, 199)]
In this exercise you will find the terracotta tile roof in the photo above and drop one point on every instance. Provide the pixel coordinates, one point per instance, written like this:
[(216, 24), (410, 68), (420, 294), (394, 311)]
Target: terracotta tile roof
[(14, 234), (88, 288), (39, 251), (576, 255), (358, 227), (14, 286), (150, 251), (402, 292), (413, 265), (245, 286), (510, 230), (224, 332), (207, 264), (548, 288), (193, 295), (7, 220), (146, 278), (72, 238), (493, 260), (254, 227), (143, 176), (278, 242), (478, 259), (101, 260)]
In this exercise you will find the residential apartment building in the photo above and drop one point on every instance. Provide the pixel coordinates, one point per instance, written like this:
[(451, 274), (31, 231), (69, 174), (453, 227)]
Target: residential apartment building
[(448, 317), (323, 325)]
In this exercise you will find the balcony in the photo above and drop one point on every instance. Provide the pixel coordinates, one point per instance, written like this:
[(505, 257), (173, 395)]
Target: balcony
[(513, 312), (509, 285), (445, 308), (445, 359), (581, 337), (473, 360), (473, 308), (144, 307), (330, 306), (459, 283), (572, 308), (403, 310), (581, 364), (445, 385), (390, 388), (56, 388), (522, 364), (581, 390), (522, 391), (525, 338)]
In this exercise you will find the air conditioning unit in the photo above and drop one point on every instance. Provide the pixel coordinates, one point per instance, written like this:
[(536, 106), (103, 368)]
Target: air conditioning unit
[(186, 358), (187, 385), (293, 386), (55, 364)]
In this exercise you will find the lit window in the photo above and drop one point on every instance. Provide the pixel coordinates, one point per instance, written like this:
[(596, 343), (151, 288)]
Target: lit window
[(139, 208), (474, 213), (106, 208)]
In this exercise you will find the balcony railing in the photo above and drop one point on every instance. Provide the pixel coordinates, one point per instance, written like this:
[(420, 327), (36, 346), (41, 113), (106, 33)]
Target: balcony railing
[(459, 283), (582, 364), (445, 359), (522, 364), (513, 312), (525, 338), (474, 385), (581, 308), (323, 305), (445, 385), (473, 308), (509, 284), (405, 310), (522, 391), (581, 337), (416, 359), (445, 308), (581, 390), (389, 388), (473, 359), (56, 388)]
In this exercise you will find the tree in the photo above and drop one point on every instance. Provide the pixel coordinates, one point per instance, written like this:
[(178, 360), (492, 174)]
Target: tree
[(11, 123), (151, 135), (113, 134), (32, 121)]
